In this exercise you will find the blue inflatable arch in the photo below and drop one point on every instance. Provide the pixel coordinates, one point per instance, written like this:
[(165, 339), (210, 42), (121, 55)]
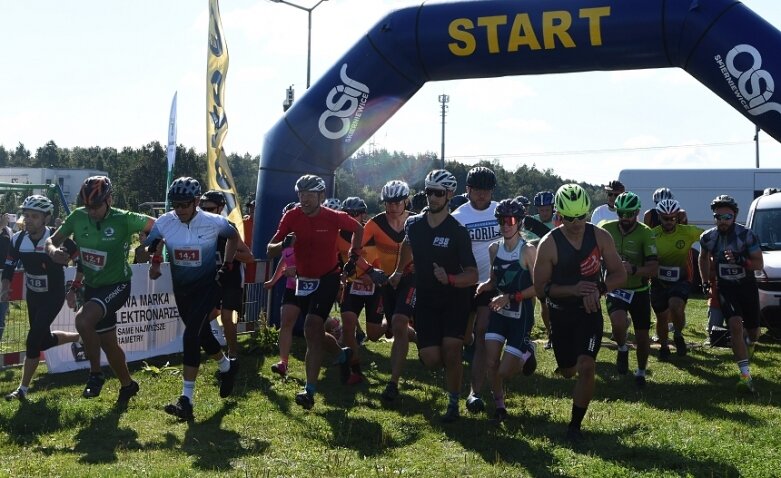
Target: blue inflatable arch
[(722, 43)]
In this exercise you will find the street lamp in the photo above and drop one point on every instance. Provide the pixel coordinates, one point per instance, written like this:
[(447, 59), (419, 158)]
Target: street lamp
[(309, 38), (443, 100)]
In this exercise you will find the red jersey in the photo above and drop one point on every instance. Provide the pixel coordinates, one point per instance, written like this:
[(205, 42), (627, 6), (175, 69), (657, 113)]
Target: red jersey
[(315, 246)]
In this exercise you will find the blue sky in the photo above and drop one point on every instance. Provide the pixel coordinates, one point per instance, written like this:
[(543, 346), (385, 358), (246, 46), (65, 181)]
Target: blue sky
[(97, 73)]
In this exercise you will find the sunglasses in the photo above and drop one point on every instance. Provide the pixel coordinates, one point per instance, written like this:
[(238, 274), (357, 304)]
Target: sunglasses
[(573, 218), (181, 205), (507, 220), (723, 217), (436, 192), (209, 209), (627, 214), (668, 218), (612, 195)]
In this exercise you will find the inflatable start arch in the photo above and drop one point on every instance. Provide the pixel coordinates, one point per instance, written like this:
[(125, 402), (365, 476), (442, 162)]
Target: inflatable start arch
[(722, 43)]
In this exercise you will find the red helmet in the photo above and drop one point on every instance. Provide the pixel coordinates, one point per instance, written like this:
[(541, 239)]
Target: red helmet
[(95, 190)]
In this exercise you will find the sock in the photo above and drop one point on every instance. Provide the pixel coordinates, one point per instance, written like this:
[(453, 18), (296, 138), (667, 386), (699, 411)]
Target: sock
[(23, 388), (283, 359), (640, 372), (499, 402), (224, 364), (188, 389), (677, 333), (577, 416), (743, 366), (623, 348), (452, 399), (310, 388), (342, 356)]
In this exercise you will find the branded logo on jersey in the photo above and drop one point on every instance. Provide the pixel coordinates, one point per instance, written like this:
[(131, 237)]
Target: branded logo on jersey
[(680, 244), (441, 241), (751, 85), (345, 103), (483, 231), (109, 232), (590, 265)]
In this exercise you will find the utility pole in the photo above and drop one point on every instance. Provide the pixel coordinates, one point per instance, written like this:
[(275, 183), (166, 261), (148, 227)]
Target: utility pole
[(756, 140), (443, 100)]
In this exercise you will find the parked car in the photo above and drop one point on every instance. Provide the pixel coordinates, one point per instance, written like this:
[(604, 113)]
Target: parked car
[(764, 218)]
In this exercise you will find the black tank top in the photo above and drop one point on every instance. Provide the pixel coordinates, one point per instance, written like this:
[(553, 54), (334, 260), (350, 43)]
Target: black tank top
[(575, 265)]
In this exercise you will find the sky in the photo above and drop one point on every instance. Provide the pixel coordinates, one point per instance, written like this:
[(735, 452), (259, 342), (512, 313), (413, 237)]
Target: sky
[(97, 73)]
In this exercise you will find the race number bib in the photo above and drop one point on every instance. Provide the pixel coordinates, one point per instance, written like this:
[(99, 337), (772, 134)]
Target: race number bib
[(93, 258), (622, 294), (511, 310), (731, 272), (187, 256), (359, 288), (305, 286), (669, 274), (37, 283)]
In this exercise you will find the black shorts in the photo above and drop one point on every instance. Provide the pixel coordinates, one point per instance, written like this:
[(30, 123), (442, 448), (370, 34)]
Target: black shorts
[(440, 315), (110, 298), (515, 332), (232, 298), (400, 300), (290, 297), (320, 301), (574, 333), (639, 309), (740, 299), (480, 300), (662, 292), (357, 298)]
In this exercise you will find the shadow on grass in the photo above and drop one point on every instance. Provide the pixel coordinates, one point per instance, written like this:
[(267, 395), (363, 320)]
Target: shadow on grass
[(31, 420), (101, 436)]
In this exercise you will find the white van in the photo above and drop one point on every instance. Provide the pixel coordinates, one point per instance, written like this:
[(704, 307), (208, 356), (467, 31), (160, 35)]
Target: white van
[(764, 218)]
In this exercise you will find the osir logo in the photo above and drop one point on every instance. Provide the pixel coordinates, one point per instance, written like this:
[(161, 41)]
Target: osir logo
[(345, 104), (749, 90)]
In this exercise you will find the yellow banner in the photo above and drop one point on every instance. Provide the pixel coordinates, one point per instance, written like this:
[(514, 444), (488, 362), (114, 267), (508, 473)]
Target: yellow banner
[(217, 170)]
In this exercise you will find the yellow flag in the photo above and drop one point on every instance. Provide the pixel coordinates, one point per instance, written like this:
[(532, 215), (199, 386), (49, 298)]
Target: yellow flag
[(217, 170)]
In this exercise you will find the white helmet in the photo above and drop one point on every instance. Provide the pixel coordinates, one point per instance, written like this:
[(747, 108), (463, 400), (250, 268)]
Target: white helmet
[(333, 203), (441, 179), (310, 182), (38, 203), (668, 206), (394, 191)]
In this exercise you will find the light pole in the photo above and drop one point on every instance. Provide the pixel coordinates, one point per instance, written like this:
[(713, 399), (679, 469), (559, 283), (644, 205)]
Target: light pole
[(444, 100), (309, 37)]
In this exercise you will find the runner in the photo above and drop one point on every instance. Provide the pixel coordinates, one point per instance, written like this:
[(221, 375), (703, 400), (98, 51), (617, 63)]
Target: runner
[(45, 285), (651, 217), (191, 236), (567, 274), (543, 201), (607, 212), (103, 234)]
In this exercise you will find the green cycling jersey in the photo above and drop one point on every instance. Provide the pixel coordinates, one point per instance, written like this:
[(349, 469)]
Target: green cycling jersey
[(637, 248)]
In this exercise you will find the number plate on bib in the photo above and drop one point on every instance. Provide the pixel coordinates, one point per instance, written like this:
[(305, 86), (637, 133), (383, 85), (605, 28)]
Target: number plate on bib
[(187, 256), (669, 274), (37, 283), (731, 271), (623, 294), (305, 286)]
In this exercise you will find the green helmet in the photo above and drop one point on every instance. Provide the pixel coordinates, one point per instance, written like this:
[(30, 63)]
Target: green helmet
[(572, 201), (628, 201)]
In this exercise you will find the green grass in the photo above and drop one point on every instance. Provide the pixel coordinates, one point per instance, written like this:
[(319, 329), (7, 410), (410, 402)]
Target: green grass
[(689, 421)]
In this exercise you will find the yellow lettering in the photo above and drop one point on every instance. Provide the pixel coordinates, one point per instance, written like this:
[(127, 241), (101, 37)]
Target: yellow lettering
[(555, 24), (594, 16), (522, 34), (492, 34), (465, 43)]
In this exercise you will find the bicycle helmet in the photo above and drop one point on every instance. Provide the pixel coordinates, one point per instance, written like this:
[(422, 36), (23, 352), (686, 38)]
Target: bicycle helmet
[(668, 207), (523, 201), (724, 201), (457, 201), (289, 206), (628, 201), (184, 189), (616, 186), (481, 178), (543, 198), (354, 204), (662, 193), (95, 190), (572, 201), (333, 203), (394, 191), (441, 179), (38, 203), (509, 208), (217, 197), (310, 182), (418, 201)]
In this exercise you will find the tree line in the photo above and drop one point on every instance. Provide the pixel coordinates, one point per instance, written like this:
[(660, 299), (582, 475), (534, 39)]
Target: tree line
[(139, 174)]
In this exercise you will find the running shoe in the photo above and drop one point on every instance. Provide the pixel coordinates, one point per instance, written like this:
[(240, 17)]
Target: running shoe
[(360, 336), (227, 379), (640, 381), (17, 394), (280, 368), (574, 435), (182, 409), (128, 392), (746, 384), (500, 414), (622, 362), (548, 345), (530, 365), (345, 367), (680, 345), (305, 399), (451, 414), (664, 353), (391, 392), (94, 385), (474, 404), (77, 349)]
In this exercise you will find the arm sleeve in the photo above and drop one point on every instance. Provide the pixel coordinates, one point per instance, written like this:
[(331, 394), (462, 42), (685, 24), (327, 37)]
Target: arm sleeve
[(11, 259)]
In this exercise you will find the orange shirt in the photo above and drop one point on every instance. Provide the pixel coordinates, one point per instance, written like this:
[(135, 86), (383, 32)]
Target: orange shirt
[(382, 244)]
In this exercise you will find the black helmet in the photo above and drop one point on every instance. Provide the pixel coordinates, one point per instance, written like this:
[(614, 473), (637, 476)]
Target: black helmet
[(509, 208), (354, 204), (95, 190), (543, 198), (289, 206), (184, 189), (457, 201), (724, 201), (419, 201), (615, 186), (522, 200), (217, 197), (481, 178)]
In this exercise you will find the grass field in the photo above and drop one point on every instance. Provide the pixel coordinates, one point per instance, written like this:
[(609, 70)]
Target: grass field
[(689, 421)]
